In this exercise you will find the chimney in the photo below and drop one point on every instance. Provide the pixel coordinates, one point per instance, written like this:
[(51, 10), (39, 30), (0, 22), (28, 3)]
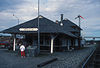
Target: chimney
[(61, 18)]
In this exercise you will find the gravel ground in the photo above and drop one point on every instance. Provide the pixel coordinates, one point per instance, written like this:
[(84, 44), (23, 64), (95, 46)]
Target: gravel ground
[(70, 59)]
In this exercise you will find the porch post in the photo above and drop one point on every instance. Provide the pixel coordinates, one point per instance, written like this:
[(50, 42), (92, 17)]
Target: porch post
[(14, 43), (44, 41), (68, 44), (76, 42), (52, 40), (73, 42)]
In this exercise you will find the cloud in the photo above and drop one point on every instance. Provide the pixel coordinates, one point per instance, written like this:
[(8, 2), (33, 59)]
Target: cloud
[(27, 9)]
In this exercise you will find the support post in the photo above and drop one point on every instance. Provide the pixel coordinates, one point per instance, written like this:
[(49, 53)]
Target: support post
[(76, 42), (44, 41), (52, 40), (68, 45), (14, 43)]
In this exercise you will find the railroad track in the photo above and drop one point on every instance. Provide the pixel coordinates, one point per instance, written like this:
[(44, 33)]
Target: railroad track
[(93, 60)]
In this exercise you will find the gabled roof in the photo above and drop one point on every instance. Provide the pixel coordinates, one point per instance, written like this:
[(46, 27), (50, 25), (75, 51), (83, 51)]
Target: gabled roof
[(67, 26), (46, 26), (70, 23)]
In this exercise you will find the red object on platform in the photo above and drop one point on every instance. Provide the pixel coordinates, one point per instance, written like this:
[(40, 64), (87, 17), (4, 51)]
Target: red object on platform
[(22, 53)]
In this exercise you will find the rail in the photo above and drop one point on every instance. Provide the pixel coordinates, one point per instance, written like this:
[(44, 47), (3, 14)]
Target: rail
[(87, 60)]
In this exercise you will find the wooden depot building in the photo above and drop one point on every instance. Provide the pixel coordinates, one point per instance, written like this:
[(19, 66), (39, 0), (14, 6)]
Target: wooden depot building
[(54, 36)]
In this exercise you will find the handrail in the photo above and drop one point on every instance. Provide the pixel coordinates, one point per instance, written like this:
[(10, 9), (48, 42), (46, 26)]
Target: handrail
[(88, 58)]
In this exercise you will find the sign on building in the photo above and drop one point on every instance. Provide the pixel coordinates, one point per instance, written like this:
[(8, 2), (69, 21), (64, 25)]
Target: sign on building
[(28, 29)]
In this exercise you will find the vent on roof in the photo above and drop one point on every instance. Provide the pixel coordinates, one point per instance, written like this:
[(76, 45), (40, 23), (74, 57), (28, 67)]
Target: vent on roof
[(40, 16), (65, 19), (61, 17), (57, 21), (61, 20)]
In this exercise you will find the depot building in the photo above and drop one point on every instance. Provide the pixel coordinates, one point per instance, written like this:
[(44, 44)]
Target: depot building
[(54, 36)]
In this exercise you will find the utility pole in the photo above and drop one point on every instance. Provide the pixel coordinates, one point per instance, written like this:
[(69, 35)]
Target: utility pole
[(79, 31), (14, 42), (16, 18), (79, 21), (38, 28), (79, 38)]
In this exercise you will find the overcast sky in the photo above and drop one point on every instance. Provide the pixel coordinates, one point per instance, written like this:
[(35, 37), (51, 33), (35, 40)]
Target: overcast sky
[(27, 9)]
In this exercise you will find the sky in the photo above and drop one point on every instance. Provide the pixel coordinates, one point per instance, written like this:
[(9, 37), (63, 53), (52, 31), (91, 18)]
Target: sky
[(27, 9)]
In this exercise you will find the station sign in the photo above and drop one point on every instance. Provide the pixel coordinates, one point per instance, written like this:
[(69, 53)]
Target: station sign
[(28, 29)]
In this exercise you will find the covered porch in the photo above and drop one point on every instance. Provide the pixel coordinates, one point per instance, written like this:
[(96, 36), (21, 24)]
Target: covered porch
[(48, 42)]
